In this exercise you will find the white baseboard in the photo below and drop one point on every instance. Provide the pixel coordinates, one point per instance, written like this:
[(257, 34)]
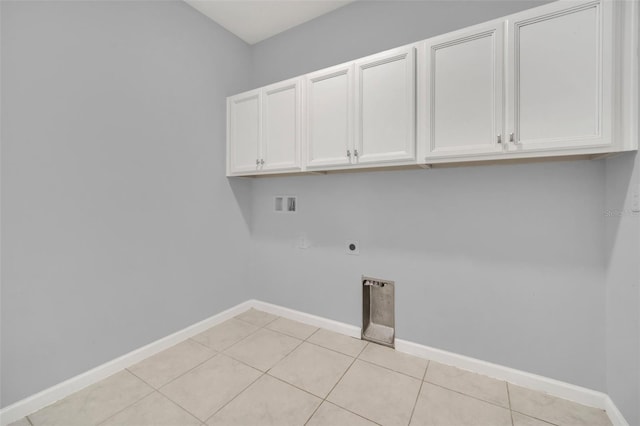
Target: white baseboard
[(547, 385), (553, 387), (55, 393), (614, 414), (336, 326), (544, 384)]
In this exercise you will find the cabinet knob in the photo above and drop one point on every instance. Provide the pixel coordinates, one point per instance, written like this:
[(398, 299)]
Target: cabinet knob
[(262, 162), (349, 153), (512, 138), (499, 138), (257, 162), (355, 152)]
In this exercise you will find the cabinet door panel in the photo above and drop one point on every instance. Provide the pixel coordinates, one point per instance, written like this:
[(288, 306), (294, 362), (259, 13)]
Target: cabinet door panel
[(385, 107), (560, 76), (329, 123), (463, 102), (281, 134), (243, 129)]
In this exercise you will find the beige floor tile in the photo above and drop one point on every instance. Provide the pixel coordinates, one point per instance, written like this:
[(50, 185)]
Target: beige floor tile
[(226, 334), (437, 406), (292, 328), (267, 402), (208, 387), (390, 358), (522, 420), (476, 385), (555, 410), (94, 403), (154, 410), (312, 368), (22, 422), (256, 317), (338, 342), (165, 366), (331, 415), (376, 393), (263, 349)]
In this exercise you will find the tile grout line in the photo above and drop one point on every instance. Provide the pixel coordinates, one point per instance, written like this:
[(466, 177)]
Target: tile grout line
[(128, 406), (391, 369), (335, 385), (264, 373), (232, 399), (415, 404), (467, 395), (520, 412), (509, 399), (181, 407), (534, 417), (215, 354)]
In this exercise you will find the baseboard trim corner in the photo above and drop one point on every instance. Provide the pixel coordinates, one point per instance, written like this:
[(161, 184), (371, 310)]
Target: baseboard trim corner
[(614, 413)]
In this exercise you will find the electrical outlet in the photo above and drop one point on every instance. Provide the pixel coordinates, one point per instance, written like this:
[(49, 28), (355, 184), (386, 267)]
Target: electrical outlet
[(352, 247)]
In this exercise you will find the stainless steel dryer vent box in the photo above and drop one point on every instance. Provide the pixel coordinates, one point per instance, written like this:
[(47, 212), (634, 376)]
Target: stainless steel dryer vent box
[(378, 311)]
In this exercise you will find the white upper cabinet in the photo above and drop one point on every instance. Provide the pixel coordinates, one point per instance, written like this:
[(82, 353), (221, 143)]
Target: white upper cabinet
[(243, 133), (560, 76), (281, 110), (329, 117), (264, 130), (460, 103), (385, 107), (556, 80)]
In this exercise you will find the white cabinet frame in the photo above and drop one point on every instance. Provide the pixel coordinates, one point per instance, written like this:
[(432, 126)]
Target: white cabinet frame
[(602, 136), (342, 157), (428, 147), (407, 56)]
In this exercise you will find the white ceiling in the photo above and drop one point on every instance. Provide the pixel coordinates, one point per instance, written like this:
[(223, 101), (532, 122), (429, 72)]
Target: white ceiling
[(257, 20)]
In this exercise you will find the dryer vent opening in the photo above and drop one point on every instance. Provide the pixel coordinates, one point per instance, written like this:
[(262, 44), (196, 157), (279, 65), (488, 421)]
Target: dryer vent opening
[(378, 311)]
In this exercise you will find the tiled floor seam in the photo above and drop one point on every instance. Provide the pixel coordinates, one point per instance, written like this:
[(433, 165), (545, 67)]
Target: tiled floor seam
[(534, 417), (244, 363), (232, 399), (509, 399), (334, 386), (470, 396), (255, 325), (128, 406), (424, 375), (216, 353), (391, 369), (153, 390)]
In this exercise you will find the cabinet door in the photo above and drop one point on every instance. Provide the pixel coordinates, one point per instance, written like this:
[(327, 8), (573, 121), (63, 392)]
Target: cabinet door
[(460, 109), (385, 107), (560, 76), (243, 133), (329, 117), (280, 148)]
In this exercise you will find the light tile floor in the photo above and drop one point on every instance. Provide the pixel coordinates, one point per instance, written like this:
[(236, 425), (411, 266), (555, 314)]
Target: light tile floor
[(259, 369)]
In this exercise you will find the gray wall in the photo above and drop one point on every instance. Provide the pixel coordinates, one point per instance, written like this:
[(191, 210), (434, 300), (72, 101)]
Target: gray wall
[(118, 225), (502, 263), (623, 283)]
